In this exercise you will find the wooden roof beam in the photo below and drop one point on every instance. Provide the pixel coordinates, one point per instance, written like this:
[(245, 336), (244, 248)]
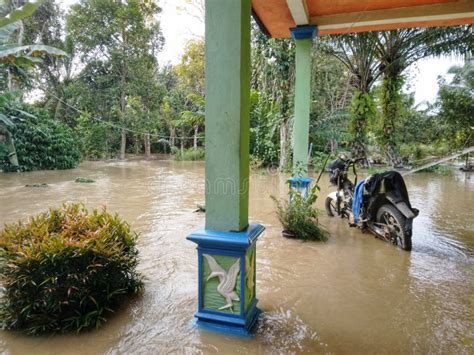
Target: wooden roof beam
[(423, 15), (299, 11)]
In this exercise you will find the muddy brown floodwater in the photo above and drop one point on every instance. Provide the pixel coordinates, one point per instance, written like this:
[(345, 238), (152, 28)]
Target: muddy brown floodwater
[(353, 294)]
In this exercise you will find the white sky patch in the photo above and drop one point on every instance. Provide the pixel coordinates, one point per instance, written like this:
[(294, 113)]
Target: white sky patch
[(180, 26)]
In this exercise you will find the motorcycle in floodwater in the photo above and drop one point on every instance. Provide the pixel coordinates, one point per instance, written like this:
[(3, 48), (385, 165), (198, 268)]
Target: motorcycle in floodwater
[(379, 203)]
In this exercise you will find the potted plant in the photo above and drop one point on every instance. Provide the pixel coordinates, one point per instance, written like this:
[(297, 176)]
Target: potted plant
[(299, 217)]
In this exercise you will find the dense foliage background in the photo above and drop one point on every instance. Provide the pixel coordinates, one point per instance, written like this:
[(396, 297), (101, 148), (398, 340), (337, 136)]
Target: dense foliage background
[(97, 71), (41, 142)]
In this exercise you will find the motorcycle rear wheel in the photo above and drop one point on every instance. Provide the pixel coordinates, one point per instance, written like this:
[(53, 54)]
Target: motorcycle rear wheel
[(330, 205), (389, 215)]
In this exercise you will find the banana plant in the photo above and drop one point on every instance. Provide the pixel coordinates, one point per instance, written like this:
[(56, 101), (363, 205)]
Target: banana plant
[(6, 124), (21, 54), (16, 55)]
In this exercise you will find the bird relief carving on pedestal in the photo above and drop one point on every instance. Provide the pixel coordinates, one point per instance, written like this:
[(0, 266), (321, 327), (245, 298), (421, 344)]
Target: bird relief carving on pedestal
[(227, 281)]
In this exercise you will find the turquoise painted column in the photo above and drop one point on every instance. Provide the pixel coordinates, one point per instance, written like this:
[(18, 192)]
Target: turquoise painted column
[(227, 245), (303, 37), (227, 113)]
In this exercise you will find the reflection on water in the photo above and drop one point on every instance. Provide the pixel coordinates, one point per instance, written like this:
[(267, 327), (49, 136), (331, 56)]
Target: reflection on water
[(351, 294)]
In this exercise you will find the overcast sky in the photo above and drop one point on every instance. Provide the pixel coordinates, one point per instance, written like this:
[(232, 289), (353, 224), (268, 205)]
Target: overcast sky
[(179, 26)]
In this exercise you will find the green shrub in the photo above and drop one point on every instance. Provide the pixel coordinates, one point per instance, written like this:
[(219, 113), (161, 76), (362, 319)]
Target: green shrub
[(415, 151), (439, 169), (41, 142), (299, 217), (97, 140), (66, 269), (188, 154)]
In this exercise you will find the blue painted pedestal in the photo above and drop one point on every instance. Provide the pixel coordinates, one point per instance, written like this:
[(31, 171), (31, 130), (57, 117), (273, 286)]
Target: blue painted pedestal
[(240, 248), (301, 184)]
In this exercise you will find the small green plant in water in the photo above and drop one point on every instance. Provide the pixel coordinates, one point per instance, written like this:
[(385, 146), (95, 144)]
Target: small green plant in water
[(66, 270), (42, 185), (299, 217), (84, 180)]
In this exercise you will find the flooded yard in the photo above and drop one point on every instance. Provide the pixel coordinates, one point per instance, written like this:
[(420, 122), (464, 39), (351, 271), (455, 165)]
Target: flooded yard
[(353, 294)]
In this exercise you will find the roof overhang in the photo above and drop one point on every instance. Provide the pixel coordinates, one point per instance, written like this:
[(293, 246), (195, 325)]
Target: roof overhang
[(344, 16)]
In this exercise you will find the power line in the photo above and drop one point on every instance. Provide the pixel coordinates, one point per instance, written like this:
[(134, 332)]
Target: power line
[(113, 125)]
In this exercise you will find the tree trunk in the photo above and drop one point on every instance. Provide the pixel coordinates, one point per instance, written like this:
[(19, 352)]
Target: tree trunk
[(391, 105), (333, 146), (57, 110), (195, 138), (123, 143), (362, 108), (147, 146), (284, 144), (9, 79), (13, 157), (137, 145), (123, 105), (173, 137)]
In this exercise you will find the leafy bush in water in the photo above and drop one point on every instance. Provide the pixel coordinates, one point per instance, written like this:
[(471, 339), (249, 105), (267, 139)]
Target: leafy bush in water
[(66, 269), (299, 217), (41, 142), (188, 154)]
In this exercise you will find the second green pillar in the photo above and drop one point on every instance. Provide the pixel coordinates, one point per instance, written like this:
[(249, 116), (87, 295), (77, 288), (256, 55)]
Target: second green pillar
[(303, 36)]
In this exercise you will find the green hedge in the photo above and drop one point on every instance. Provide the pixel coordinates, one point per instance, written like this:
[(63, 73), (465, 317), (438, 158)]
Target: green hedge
[(41, 142), (66, 269)]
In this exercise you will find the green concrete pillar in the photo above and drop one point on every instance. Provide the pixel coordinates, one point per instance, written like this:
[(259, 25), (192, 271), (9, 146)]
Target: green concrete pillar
[(303, 37), (227, 300), (227, 113)]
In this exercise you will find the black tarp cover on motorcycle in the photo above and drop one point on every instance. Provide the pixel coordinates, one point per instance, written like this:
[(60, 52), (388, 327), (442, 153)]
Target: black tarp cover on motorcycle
[(388, 182)]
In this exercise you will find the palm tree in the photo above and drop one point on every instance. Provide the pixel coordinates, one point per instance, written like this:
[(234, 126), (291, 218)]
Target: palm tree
[(397, 50), (356, 52)]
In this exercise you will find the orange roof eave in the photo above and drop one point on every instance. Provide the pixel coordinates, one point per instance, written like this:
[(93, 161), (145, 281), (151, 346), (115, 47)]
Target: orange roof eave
[(343, 16)]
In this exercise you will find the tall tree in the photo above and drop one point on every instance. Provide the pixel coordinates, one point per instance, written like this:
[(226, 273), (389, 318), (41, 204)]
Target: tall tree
[(456, 105), (121, 37), (190, 74), (273, 62)]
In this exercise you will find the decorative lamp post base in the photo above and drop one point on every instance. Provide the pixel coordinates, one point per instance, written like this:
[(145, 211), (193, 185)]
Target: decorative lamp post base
[(226, 282)]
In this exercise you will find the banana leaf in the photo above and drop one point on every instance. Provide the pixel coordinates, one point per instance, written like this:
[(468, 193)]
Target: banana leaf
[(18, 14), (5, 120), (7, 51)]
